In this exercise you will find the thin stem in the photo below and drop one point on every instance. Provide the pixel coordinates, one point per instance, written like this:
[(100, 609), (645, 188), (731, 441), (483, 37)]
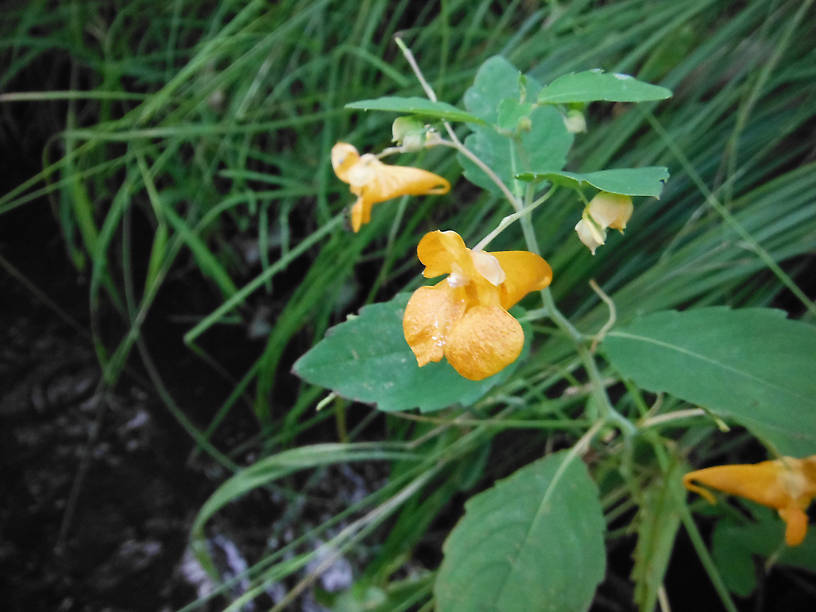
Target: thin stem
[(610, 414), (409, 56), (612, 314), (509, 219), (672, 416), (456, 144), (415, 67)]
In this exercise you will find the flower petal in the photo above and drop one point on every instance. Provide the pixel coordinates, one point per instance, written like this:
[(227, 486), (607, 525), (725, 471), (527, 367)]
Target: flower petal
[(611, 210), (343, 157), (524, 272), (364, 172), (759, 482), (360, 213), (428, 317), (796, 524), (589, 234), (483, 342), (440, 251), (393, 181)]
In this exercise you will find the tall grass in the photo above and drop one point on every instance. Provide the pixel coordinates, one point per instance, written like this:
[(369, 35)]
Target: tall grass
[(191, 182)]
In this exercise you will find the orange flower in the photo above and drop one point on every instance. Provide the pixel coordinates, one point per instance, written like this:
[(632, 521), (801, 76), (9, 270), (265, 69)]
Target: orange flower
[(374, 182), (464, 317), (788, 485)]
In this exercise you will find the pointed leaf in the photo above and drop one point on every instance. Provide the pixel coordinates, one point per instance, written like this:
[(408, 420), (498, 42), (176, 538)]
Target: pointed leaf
[(647, 181), (417, 106), (366, 359), (532, 542), (592, 85), (750, 366)]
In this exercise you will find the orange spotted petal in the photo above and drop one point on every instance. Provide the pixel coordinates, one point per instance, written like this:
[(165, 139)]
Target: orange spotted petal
[(428, 317), (525, 272), (484, 341), (441, 252)]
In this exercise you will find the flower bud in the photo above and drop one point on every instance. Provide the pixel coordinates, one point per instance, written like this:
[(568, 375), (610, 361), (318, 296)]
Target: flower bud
[(611, 210), (408, 132), (589, 234), (575, 122), (524, 124)]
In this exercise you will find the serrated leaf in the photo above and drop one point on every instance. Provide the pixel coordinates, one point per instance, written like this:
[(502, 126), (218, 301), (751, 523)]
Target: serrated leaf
[(657, 523), (595, 85), (532, 542), (750, 366), (417, 106), (366, 359), (646, 181)]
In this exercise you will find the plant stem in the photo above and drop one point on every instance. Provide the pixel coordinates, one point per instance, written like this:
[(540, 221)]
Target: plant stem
[(609, 414), (457, 144)]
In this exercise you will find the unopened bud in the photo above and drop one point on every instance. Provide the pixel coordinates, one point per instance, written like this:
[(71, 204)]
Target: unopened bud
[(589, 234), (408, 132), (575, 122), (611, 210)]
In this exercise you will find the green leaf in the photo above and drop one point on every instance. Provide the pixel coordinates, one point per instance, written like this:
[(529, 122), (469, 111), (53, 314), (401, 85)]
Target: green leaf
[(417, 106), (657, 522), (534, 541), (366, 359), (545, 146), (647, 181), (495, 81), (752, 366), (593, 85), (511, 111), (495, 96), (733, 547)]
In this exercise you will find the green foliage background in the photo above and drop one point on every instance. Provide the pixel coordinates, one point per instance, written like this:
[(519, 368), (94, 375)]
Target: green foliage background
[(187, 155)]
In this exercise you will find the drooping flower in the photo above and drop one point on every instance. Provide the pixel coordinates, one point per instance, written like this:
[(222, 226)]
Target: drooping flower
[(372, 181), (464, 318), (788, 485), (605, 210)]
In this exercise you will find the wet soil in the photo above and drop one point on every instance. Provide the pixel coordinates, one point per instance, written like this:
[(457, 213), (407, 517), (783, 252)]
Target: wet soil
[(96, 495)]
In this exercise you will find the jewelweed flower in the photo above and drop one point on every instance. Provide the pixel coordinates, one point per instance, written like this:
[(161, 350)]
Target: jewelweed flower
[(464, 318), (788, 485), (603, 211), (373, 182)]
